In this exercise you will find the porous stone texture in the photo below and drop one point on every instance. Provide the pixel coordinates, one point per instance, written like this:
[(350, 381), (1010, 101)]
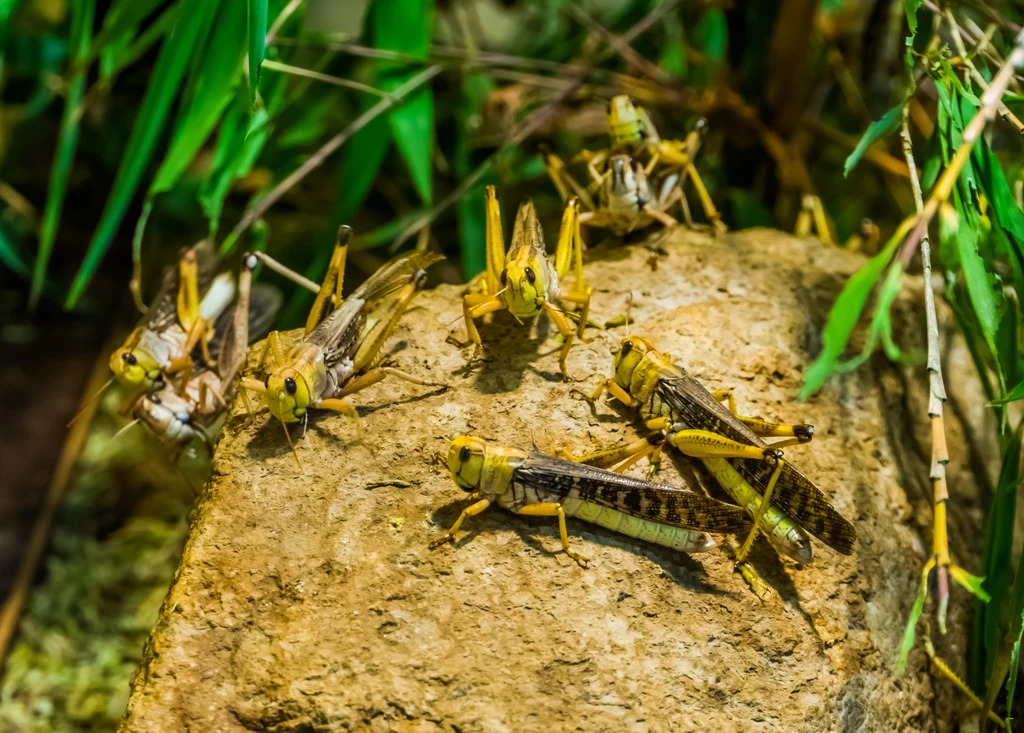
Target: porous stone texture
[(312, 603)]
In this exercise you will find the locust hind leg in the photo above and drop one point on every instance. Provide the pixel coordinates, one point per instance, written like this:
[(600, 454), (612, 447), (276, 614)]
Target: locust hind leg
[(622, 456), (553, 509), (189, 313), (564, 181), (569, 257), (714, 218), (794, 434), (476, 305)]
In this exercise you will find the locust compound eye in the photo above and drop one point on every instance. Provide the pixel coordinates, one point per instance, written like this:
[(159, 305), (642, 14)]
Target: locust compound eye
[(129, 359), (626, 348), (504, 278), (155, 399), (530, 275), (289, 385), (464, 453)]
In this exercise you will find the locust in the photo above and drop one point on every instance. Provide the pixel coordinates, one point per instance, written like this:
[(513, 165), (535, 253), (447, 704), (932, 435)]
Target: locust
[(179, 319), (338, 354), (176, 418), (625, 201), (785, 505), (524, 281), (533, 483), (663, 162)]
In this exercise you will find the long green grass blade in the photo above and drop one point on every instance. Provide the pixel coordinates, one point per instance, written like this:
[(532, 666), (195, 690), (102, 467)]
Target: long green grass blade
[(67, 141), (406, 25), (217, 75), (122, 20), (876, 130), (257, 43), (125, 50), (190, 32)]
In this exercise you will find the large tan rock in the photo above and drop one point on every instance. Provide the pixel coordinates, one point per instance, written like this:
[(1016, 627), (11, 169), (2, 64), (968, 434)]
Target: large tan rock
[(311, 602)]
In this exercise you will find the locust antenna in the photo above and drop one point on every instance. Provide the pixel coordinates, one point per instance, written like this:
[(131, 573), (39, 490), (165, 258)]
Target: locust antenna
[(125, 429), (292, 446), (629, 318), (88, 403)]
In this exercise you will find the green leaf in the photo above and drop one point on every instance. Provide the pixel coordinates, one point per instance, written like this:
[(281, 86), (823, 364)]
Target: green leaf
[(997, 562), (359, 165), (406, 26), (986, 297), (910, 631), (712, 32), (471, 208), (67, 142), (844, 316), (876, 130), (120, 24), (257, 32), (217, 76), (912, 6), (125, 51), (970, 582), (1011, 681), (1017, 393), (190, 32)]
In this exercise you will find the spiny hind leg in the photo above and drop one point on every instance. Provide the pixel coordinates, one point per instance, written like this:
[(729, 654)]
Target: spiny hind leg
[(714, 218), (553, 509), (796, 433), (378, 374), (471, 511)]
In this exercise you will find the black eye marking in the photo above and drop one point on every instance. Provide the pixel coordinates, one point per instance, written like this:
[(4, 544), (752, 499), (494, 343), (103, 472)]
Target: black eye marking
[(504, 278), (626, 348), (155, 400), (289, 385), (464, 453), (530, 275), (130, 358)]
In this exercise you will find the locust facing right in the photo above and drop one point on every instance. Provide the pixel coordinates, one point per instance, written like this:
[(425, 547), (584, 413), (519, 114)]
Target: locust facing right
[(535, 484), (784, 504)]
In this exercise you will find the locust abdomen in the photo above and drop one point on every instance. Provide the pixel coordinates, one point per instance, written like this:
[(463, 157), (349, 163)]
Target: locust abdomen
[(675, 538)]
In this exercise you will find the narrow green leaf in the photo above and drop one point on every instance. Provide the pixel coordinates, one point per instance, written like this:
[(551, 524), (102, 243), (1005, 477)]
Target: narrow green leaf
[(973, 583), (876, 130), (912, 6), (257, 42), (119, 24), (406, 26), (712, 32), (67, 142), (190, 32), (471, 208), (986, 299), (844, 316), (217, 75), (10, 256), (125, 51), (910, 632), (1011, 682), (359, 165)]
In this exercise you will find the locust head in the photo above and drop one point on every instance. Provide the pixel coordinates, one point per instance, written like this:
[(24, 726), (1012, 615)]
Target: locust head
[(288, 395), (632, 351), (466, 457), (168, 415), (135, 368), (528, 278)]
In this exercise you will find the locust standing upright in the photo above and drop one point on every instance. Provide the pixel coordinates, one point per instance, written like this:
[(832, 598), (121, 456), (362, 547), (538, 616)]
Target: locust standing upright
[(524, 281), (785, 504), (535, 484), (338, 355), (634, 144)]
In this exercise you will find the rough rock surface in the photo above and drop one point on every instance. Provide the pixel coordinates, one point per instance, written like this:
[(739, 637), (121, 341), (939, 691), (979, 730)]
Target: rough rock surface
[(311, 602)]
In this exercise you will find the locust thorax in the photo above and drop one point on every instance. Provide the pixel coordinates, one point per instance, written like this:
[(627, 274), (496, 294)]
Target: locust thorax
[(481, 467), (625, 127)]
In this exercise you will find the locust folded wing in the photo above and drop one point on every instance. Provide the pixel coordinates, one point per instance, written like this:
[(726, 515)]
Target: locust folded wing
[(163, 310), (795, 494), (636, 497)]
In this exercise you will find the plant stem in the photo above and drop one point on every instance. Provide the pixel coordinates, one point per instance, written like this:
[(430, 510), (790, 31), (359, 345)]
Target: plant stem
[(257, 209), (328, 79)]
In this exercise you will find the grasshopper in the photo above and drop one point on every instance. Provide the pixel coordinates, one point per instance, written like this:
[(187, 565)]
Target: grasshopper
[(178, 320), (632, 133), (625, 200), (535, 484), (524, 281), (176, 419), (784, 503), (337, 357)]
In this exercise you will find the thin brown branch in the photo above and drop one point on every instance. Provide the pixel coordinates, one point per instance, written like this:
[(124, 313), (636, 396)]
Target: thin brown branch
[(620, 45), (328, 79), (256, 210)]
